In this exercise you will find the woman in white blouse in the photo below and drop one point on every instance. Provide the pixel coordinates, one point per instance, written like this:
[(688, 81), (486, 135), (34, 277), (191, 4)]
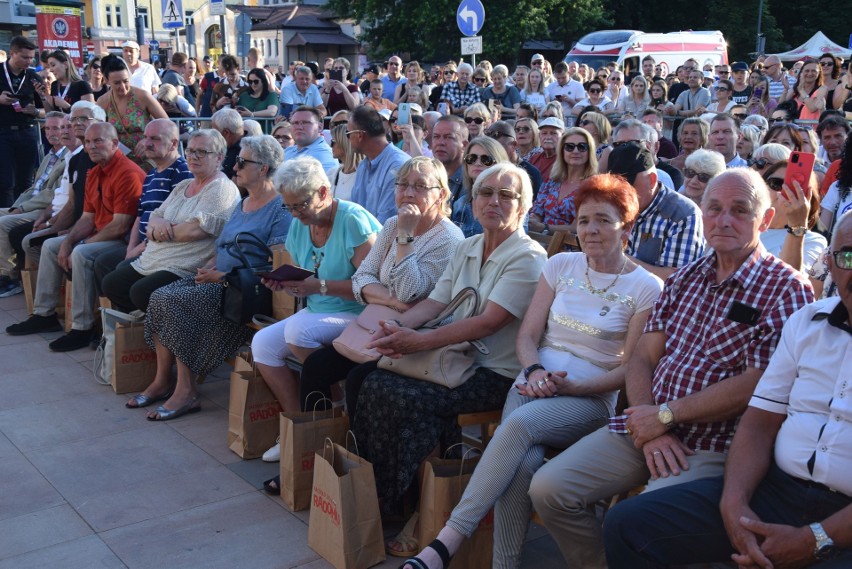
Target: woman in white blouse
[(343, 177)]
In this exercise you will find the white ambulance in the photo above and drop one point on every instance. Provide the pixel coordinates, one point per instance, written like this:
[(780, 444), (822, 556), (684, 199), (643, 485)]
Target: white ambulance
[(629, 47)]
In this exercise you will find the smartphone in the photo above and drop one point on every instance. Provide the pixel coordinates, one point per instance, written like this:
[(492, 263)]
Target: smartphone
[(287, 273), (403, 113), (758, 92), (17, 106), (800, 166), (336, 74), (442, 108)]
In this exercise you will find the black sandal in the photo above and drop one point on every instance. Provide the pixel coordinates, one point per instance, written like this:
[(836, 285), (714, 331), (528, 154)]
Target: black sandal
[(274, 490), (439, 548)]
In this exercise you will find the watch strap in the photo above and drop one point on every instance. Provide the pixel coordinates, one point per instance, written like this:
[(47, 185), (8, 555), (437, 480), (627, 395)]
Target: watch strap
[(529, 370)]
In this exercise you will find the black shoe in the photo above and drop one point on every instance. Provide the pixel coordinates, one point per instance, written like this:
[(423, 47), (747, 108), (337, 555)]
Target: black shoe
[(35, 324), (73, 340)]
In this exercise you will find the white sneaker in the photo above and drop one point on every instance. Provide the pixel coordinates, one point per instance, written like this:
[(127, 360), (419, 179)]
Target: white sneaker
[(273, 454)]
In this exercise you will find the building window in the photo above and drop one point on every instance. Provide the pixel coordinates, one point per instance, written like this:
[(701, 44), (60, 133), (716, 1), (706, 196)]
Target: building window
[(118, 16), (188, 16), (108, 12), (144, 13), (269, 48)]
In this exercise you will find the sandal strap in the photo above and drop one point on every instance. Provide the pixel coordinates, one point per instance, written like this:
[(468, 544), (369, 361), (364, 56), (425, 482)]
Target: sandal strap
[(442, 551), (416, 562)]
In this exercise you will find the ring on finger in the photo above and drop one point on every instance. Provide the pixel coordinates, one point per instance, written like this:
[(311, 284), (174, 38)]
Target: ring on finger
[(540, 383), (656, 452)]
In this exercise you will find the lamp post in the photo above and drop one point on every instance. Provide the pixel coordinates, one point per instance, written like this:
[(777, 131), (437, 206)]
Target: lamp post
[(761, 39)]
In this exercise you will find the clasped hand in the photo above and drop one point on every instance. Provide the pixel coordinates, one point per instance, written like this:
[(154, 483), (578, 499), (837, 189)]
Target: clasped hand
[(394, 341)]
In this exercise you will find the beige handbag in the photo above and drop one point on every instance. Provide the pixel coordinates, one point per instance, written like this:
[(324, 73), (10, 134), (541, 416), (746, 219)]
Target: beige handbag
[(450, 365), (352, 342)]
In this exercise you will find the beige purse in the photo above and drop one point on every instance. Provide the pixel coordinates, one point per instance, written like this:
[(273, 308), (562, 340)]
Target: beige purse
[(352, 342)]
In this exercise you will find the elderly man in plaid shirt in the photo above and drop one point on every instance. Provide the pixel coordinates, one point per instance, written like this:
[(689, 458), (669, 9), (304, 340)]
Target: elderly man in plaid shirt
[(704, 347), (461, 93)]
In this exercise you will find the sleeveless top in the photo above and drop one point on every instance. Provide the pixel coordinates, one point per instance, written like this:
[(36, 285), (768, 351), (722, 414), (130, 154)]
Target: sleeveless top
[(130, 126)]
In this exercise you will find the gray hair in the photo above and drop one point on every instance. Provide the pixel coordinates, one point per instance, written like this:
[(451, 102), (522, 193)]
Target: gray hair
[(54, 115), (706, 162), (773, 151), (647, 132), (464, 67), (252, 127), (751, 133), (500, 70), (300, 178), (216, 140), (835, 231), (97, 113), (759, 121), (266, 150), (519, 174), (227, 119), (749, 180), (305, 70)]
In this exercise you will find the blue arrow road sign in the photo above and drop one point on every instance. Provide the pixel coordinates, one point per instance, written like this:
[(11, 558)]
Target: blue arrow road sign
[(470, 16)]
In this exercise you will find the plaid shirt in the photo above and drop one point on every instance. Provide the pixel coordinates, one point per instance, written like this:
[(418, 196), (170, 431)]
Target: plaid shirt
[(458, 97), (662, 240), (704, 346)]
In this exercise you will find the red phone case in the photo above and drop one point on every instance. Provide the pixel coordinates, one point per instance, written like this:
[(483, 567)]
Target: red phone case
[(800, 166)]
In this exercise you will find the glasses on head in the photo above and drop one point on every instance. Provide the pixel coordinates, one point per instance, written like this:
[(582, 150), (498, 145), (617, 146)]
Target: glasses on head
[(339, 123), (418, 187), (349, 133), (198, 152), (690, 173), (497, 134), (477, 120), (775, 184), (579, 147), (484, 159), (842, 259), (241, 162), (283, 137), (253, 81), (760, 163), (522, 129), (298, 206), (503, 194)]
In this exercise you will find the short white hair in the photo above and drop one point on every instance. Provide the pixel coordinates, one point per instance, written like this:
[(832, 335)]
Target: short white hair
[(97, 113), (300, 178), (464, 67), (518, 173)]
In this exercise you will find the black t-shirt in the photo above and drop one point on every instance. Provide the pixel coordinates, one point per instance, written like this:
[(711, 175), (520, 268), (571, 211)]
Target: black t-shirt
[(22, 88), (73, 93), (742, 97), (676, 90), (78, 168)]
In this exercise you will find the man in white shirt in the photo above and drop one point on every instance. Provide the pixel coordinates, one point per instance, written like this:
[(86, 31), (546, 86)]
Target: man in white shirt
[(143, 75), (565, 90)]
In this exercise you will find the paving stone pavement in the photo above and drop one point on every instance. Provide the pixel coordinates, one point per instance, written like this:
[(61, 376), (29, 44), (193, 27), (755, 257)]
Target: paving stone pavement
[(86, 483)]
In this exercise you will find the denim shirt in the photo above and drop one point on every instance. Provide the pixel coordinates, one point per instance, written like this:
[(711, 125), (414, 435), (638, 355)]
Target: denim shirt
[(374, 187)]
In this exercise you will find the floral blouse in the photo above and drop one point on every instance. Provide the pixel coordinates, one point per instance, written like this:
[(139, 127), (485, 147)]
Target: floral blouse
[(550, 209)]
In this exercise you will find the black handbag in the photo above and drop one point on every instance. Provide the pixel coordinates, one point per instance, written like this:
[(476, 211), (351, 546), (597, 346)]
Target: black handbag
[(243, 295)]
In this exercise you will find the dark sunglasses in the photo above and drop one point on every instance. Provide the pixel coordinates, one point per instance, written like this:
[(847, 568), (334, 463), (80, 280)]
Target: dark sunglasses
[(586, 122), (827, 63), (253, 81), (96, 66), (477, 120), (479, 79), (522, 129), (703, 178), (842, 259), (484, 159), (448, 72), (623, 142), (761, 163), (595, 91), (580, 147), (775, 184), (241, 162), (741, 116)]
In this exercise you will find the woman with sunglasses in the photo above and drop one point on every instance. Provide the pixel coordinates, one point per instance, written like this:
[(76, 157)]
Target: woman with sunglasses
[(96, 78), (599, 127), (533, 92), (691, 134), (789, 236), (576, 161), (342, 177), (831, 71), (477, 117), (767, 155), (526, 135), (259, 100), (723, 103), (480, 154), (637, 100), (809, 94), (68, 88), (183, 323), (701, 167), (595, 97)]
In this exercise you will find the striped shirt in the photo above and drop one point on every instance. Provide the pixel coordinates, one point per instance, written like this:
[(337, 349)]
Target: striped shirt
[(669, 232), (157, 187), (706, 342)]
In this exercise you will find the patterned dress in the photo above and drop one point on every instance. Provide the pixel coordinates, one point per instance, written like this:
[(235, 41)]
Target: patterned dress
[(550, 208), (130, 126)]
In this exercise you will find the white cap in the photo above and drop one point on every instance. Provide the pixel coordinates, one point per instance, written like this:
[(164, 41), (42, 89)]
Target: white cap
[(131, 44), (536, 57), (417, 108), (552, 121), (386, 114)]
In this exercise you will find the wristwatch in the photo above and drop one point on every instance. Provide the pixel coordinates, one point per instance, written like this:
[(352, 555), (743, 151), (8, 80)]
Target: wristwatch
[(528, 370), (666, 416), (824, 545), (404, 239), (323, 287), (796, 230)]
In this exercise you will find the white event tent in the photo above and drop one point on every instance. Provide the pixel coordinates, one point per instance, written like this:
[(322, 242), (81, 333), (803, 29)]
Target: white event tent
[(818, 45)]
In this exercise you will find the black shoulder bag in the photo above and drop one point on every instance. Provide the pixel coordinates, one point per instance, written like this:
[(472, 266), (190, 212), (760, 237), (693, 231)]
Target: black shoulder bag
[(243, 295)]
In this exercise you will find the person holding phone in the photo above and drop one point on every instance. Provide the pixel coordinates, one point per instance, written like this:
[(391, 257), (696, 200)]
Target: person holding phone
[(69, 87), (337, 93), (259, 100)]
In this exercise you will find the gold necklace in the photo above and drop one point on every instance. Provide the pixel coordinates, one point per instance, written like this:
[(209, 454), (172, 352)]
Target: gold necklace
[(602, 291)]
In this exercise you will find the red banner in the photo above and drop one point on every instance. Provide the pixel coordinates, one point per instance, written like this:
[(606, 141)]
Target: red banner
[(59, 27)]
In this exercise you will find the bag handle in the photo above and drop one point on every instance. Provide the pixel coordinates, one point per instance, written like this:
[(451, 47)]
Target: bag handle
[(318, 401), (235, 248), (354, 441), (326, 444), (463, 458), (462, 296)]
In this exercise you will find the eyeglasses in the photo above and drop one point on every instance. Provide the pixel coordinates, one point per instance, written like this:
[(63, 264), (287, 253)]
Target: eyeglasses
[(522, 129), (198, 152), (283, 138), (96, 66), (842, 259), (586, 122), (298, 206), (420, 188), (477, 120), (349, 133), (241, 162), (579, 147), (391, 120), (479, 79), (81, 119), (615, 79), (449, 72), (538, 62), (720, 88), (623, 142), (724, 73), (503, 194), (741, 116), (595, 91), (775, 184), (761, 163), (703, 178), (826, 63), (253, 81), (484, 159)]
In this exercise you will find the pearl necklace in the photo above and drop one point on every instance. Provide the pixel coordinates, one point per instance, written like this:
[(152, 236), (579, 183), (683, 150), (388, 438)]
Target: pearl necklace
[(602, 291)]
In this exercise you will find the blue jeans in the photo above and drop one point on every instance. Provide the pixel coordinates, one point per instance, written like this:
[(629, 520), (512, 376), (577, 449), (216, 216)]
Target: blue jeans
[(682, 524), (19, 149)]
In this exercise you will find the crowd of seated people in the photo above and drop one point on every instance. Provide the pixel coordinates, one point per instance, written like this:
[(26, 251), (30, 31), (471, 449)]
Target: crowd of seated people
[(400, 188)]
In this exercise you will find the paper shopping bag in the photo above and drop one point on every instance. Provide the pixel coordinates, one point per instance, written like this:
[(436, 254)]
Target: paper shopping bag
[(345, 527), (252, 414), (283, 304), (134, 363), (443, 485), (302, 436)]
